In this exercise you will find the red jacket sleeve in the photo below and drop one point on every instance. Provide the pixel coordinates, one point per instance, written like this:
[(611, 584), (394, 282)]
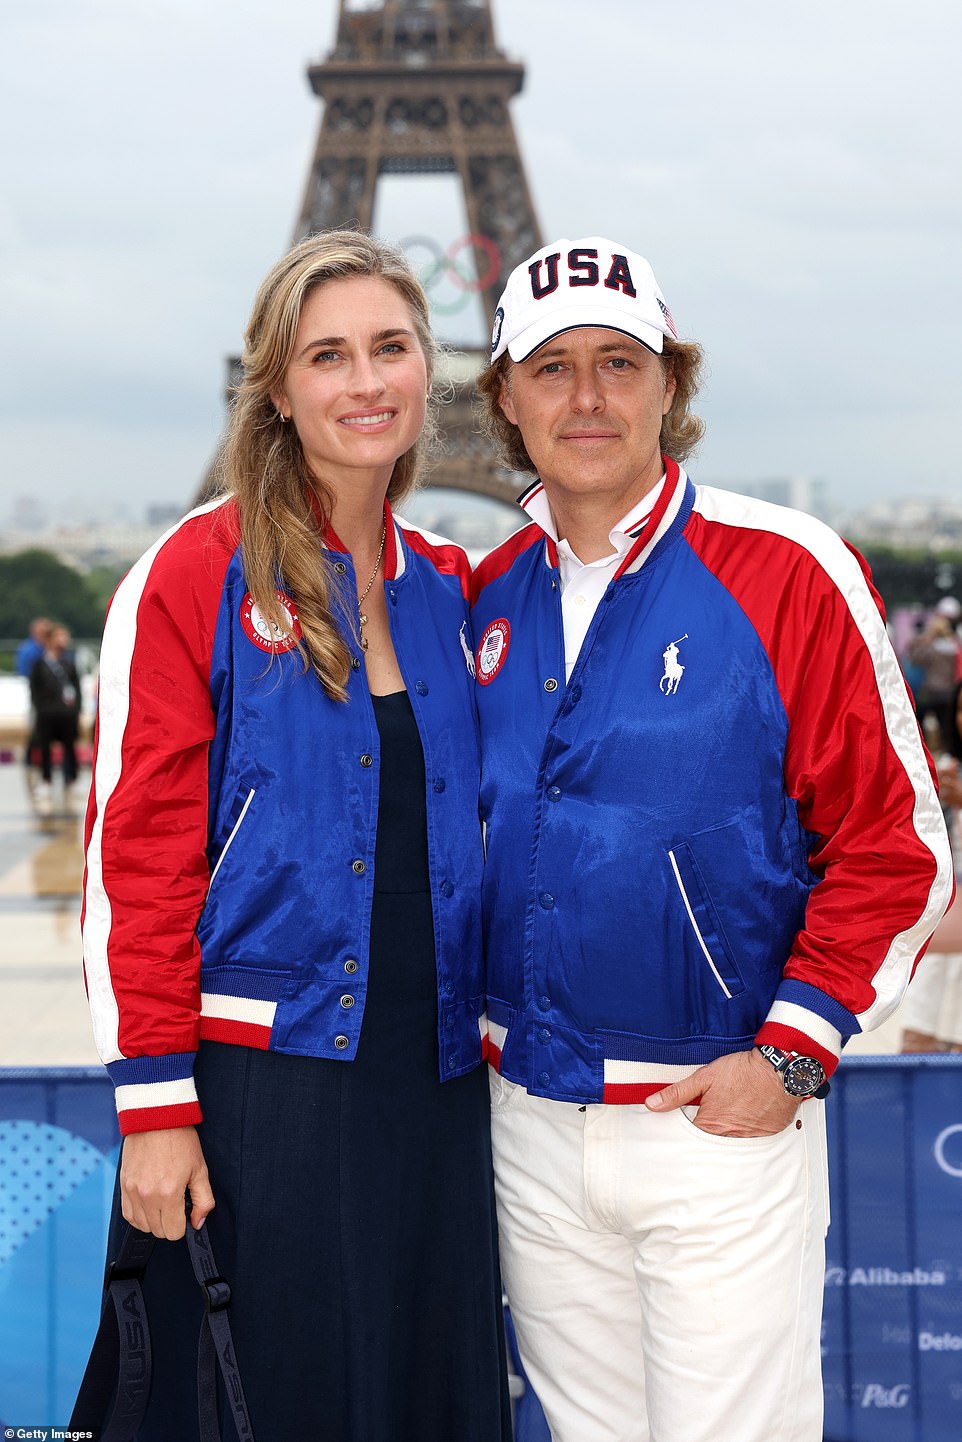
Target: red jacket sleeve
[(146, 829), (855, 765)]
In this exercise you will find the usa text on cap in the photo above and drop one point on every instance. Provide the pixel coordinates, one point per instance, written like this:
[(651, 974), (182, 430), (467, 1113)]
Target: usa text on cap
[(572, 283)]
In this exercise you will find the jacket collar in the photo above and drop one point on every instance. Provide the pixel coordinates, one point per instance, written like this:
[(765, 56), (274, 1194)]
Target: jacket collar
[(394, 559), (645, 527)]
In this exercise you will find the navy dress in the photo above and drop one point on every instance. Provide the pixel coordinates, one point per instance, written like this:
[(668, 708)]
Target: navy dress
[(355, 1208)]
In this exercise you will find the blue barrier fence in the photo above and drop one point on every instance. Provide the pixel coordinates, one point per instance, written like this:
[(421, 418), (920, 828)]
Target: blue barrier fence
[(892, 1332)]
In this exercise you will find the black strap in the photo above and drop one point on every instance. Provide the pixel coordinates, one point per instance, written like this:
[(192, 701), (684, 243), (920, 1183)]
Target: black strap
[(120, 1363), (215, 1344)]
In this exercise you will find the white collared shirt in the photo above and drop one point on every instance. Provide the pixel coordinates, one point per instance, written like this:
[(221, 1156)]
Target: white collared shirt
[(584, 584)]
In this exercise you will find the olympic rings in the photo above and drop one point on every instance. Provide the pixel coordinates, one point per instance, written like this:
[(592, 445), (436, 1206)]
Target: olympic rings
[(447, 265)]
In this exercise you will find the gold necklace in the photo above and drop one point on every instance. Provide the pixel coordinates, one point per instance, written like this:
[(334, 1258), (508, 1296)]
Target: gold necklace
[(361, 618)]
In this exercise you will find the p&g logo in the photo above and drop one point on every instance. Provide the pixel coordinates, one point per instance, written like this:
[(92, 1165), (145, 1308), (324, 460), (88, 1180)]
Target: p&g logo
[(875, 1395)]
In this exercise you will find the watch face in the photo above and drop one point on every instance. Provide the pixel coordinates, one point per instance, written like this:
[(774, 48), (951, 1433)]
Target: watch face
[(803, 1076)]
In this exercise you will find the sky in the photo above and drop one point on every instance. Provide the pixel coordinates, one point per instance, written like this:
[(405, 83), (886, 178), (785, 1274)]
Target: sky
[(793, 172)]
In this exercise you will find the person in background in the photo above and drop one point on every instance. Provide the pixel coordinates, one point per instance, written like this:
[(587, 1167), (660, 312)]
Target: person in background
[(282, 936), (932, 1011), (55, 696), (713, 852), (31, 648), (29, 651), (938, 651)]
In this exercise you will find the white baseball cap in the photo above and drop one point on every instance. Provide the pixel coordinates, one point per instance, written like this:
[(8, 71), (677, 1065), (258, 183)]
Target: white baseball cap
[(572, 283)]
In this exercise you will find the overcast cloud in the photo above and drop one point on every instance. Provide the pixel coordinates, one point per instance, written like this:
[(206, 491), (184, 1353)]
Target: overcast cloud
[(791, 171)]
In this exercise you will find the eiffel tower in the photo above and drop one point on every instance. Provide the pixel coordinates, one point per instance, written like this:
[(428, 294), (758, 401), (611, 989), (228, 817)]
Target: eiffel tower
[(416, 87)]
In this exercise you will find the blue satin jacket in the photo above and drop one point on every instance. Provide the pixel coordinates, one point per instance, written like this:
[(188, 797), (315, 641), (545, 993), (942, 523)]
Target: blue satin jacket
[(231, 834), (721, 829)]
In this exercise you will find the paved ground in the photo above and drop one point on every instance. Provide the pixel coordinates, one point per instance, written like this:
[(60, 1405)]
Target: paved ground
[(43, 1008)]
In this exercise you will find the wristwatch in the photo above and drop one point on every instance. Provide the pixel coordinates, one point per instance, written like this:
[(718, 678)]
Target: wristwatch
[(802, 1076)]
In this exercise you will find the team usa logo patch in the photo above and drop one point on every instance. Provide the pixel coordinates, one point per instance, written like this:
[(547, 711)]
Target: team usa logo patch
[(493, 650), (264, 634)]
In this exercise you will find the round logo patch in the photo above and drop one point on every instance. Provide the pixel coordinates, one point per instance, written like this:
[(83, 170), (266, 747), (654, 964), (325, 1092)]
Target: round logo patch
[(493, 650), (263, 633)]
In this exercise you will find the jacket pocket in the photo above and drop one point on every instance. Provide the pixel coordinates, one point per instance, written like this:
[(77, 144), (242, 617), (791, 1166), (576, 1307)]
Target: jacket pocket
[(242, 805), (703, 919)]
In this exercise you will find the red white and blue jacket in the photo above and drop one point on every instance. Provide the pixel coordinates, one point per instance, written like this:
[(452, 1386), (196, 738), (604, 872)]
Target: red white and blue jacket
[(232, 821), (723, 829)]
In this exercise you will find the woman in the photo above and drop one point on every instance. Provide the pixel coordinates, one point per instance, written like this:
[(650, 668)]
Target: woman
[(282, 940), (932, 1011)]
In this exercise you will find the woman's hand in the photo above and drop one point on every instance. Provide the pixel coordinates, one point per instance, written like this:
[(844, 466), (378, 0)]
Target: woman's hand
[(155, 1171)]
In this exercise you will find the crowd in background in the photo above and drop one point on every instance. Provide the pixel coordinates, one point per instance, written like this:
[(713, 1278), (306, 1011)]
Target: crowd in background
[(932, 662)]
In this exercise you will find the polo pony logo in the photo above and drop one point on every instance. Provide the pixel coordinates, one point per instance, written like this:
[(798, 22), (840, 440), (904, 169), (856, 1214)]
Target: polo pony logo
[(468, 653), (674, 670)]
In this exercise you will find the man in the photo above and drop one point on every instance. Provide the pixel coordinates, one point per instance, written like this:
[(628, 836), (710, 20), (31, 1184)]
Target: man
[(714, 851), (29, 651), (32, 647)]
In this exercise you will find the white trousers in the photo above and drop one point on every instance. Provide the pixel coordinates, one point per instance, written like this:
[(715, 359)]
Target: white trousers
[(665, 1284), (933, 1002)]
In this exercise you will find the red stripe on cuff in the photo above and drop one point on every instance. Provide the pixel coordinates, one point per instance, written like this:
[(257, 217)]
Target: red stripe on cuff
[(786, 1038), (159, 1119), (236, 1033)]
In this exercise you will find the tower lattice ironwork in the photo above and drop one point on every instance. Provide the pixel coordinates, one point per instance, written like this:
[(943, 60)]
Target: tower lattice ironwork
[(415, 87)]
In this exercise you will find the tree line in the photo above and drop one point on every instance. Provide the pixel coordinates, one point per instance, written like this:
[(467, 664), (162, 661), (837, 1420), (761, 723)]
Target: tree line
[(35, 583)]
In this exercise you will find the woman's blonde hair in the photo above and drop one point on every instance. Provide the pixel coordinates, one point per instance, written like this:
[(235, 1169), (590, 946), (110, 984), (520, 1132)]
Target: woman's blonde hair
[(680, 430), (262, 462)]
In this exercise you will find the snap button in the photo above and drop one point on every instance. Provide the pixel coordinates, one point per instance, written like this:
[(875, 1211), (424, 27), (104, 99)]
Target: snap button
[(367, 760), (341, 1042), (347, 1002), (421, 687), (358, 867), (448, 988), (355, 663), (439, 783), (546, 900), (544, 1002), (393, 595), (350, 966), (551, 684), (543, 1078), (452, 1063), (575, 696), (340, 568), (554, 793), (544, 1034), (447, 889)]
